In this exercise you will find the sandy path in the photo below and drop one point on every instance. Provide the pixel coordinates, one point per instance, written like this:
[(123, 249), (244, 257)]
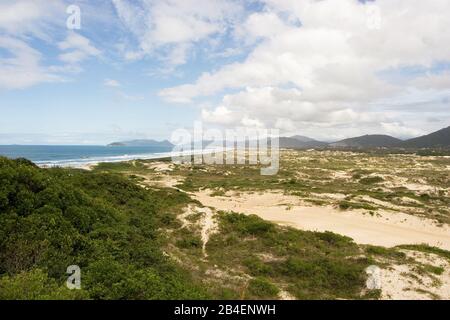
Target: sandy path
[(209, 226), (207, 223), (389, 230)]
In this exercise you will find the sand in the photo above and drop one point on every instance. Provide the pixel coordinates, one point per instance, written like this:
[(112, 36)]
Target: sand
[(403, 282), (207, 223), (385, 228)]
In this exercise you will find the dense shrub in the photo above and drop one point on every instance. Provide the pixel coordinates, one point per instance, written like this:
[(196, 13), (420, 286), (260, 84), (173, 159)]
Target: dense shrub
[(309, 265), (53, 218), (371, 180), (262, 288), (249, 224)]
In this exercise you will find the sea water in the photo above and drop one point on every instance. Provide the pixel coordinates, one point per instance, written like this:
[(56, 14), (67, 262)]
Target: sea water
[(80, 155)]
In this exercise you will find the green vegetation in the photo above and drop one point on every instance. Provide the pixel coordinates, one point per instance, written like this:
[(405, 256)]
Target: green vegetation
[(427, 249), (371, 180), (115, 231), (433, 269), (308, 265), (50, 219), (346, 205), (130, 241), (262, 288), (405, 182), (36, 285), (389, 253)]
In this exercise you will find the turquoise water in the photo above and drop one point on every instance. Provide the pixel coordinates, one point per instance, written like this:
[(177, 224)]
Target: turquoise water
[(79, 155)]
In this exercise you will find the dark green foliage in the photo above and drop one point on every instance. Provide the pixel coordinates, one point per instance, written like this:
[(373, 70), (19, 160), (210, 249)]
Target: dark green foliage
[(371, 180), (262, 288), (256, 267), (53, 218), (36, 285), (345, 205), (385, 252), (313, 265), (189, 241), (251, 225)]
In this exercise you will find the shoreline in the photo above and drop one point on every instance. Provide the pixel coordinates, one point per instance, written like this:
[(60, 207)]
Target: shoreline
[(87, 165)]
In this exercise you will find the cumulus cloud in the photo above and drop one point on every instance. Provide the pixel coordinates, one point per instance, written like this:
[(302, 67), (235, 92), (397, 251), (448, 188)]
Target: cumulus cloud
[(321, 63), (220, 115), (400, 130), (276, 107)]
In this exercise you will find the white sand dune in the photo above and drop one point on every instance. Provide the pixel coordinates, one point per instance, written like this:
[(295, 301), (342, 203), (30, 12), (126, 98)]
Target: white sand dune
[(386, 229)]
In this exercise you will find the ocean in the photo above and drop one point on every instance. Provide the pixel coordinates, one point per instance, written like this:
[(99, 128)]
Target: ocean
[(81, 155)]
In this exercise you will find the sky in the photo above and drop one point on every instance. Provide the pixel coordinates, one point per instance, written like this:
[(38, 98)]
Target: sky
[(328, 69)]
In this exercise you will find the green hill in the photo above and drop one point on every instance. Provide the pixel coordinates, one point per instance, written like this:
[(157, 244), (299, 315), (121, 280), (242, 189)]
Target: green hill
[(438, 139), (368, 141)]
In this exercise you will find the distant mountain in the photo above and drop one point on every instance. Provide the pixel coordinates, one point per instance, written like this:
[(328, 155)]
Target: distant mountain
[(300, 142), (438, 139), (302, 138), (368, 141), (142, 143)]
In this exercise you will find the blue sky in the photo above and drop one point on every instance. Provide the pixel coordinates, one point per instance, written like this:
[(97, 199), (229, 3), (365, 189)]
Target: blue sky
[(143, 68)]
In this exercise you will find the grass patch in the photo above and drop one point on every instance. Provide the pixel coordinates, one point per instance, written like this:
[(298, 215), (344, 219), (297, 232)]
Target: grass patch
[(262, 288), (433, 269), (371, 180), (427, 249), (349, 205), (315, 265), (389, 253)]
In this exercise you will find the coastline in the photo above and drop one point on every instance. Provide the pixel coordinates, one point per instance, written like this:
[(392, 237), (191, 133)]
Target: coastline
[(88, 164)]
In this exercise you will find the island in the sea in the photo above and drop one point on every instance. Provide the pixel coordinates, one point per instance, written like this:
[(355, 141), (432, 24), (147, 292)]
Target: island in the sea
[(142, 143)]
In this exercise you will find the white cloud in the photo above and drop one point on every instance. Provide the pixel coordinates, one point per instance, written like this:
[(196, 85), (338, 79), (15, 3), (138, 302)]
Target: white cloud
[(20, 17), (261, 25), (433, 81), (274, 106), (168, 28), (23, 23), (332, 57), (79, 48), (221, 115), (22, 69), (252, 123), (399, 130), (20, 21)]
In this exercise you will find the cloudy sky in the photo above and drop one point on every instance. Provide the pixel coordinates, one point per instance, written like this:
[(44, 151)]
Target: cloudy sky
[(328, 69)]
